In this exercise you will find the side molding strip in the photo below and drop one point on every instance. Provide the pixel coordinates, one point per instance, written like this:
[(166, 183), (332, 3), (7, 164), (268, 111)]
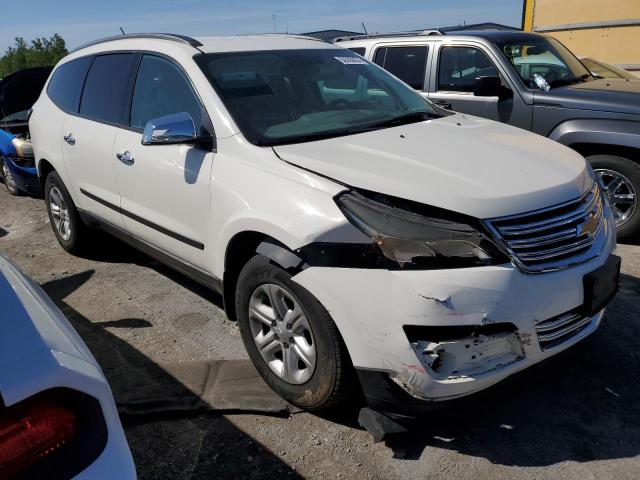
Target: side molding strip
[(200, 276), (133, 216)]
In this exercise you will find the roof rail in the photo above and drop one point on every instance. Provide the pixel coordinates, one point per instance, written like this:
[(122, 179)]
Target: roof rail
[(414, 33), (157, 36)]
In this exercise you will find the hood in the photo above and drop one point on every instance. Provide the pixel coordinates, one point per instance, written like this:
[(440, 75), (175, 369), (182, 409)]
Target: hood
[(20, 90), (615, 95), (462, 163)]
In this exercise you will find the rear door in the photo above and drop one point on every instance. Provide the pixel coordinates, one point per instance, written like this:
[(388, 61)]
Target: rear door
[(89, 135), (165, 189), (453, 76), (407, 62)]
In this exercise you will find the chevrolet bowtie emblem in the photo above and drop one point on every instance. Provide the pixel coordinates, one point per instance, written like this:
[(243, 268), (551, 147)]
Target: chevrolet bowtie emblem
[(589, 227)]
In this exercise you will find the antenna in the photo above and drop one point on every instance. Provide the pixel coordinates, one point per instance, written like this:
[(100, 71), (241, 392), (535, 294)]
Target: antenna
[(365, 29), (122, 31), (274, 23)]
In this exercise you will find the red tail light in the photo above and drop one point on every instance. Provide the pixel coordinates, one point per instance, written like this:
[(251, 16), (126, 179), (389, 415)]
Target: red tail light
[(32, 430)]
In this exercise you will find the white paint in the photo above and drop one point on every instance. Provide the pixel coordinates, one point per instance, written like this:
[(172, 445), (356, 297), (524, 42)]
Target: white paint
[(459, 163)]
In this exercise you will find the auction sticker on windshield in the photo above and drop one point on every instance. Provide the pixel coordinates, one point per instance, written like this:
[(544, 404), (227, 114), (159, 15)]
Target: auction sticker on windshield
[(351, 60)]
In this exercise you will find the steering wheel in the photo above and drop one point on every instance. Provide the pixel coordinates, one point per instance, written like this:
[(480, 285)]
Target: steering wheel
[(339, 103)]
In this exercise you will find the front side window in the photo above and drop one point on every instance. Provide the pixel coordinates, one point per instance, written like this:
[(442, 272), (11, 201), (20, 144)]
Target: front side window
[(162, 89), (406, 63), (66, 83), (289, 96), (544, 57), (460, 66), (106, 86)]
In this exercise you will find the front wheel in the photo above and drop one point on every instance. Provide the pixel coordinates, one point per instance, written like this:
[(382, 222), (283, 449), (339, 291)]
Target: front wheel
[(621, 179), (7, 178), (291, 338)]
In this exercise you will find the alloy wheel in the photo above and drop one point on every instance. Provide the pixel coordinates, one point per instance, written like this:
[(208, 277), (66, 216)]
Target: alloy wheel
[(8, 178), (621, 194), (282, 333), (60, 213)]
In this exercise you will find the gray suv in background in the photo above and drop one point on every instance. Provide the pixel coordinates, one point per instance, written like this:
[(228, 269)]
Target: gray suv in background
[(530, 81)]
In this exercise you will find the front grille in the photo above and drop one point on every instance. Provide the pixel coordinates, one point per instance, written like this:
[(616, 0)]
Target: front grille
[(556, 331), (553, 238)]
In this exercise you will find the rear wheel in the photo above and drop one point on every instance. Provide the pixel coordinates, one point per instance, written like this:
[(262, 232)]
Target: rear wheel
[(7, 178), (621, 179), (72, 234), (291, 338)]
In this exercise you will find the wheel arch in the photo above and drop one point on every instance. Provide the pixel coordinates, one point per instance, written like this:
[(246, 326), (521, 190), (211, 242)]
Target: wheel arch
[(600, 136), (240, 249), (45, 167), (587, 149)]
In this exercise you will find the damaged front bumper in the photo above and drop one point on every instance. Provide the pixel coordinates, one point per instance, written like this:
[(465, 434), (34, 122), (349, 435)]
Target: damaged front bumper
[(421, 337)]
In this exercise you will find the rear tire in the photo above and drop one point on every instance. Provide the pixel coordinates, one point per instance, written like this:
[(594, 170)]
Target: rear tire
[(615, 170), (7, 178), (71, 232), (330, 380)]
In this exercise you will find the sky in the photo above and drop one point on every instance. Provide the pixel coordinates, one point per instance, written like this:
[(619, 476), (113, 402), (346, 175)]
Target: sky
[(82, 21)]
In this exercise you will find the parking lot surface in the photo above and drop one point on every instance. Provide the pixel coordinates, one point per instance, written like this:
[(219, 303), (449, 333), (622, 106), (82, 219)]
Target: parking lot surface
[(576, 416)]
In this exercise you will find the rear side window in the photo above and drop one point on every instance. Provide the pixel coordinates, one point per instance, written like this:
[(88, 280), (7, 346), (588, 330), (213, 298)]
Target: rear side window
[(66, 83), (105, 88), (359, 50), (460, 66), (406, 63), (162, 89)]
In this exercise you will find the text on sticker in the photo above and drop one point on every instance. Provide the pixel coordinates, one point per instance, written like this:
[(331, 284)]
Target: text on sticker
[(351, 60)]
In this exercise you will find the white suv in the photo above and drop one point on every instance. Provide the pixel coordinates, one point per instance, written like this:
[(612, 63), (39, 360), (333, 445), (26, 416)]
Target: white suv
[(351, 226)]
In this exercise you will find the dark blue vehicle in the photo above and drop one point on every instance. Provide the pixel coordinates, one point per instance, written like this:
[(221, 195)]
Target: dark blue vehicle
[(18, 92)]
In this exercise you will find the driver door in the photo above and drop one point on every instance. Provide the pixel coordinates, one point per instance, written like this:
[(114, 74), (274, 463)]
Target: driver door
[(165, 189), (458, 67)]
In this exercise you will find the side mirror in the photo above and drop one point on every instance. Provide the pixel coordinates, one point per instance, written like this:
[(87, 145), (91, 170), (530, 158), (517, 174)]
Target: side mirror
[(171, 129), (487, 87)]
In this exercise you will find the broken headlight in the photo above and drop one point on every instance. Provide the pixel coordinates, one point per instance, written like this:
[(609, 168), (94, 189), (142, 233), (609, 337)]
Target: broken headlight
[(418, 236)]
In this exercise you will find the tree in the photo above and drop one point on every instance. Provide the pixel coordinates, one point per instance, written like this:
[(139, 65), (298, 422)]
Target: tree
[(41, 52)]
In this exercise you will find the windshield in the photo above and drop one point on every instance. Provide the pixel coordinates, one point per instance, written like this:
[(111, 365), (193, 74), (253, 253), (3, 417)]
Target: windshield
[(290, 96), (547, 58)]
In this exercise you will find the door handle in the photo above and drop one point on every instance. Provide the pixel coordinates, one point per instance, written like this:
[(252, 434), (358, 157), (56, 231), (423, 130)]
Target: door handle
[(443, 104), (125, 157), (69, 139)]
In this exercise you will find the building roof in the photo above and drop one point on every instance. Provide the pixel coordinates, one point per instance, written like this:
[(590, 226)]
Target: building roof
[(332, 34), (329, 35), (478, 26)]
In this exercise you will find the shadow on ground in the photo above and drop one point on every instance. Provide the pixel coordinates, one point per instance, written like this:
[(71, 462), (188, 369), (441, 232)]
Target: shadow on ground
[(211, 447), (3, 232), (109, 249)]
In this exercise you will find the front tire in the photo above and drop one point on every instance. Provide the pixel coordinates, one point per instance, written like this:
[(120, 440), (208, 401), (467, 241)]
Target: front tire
[(72, 234), (621, 178), (291, 339), (7, 178)]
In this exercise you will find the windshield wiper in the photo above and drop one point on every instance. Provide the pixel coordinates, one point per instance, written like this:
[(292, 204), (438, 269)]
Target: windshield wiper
[(404, 119), (412, 117)]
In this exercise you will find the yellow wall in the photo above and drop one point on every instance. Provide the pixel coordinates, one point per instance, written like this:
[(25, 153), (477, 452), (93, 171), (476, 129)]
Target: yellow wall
[(559, 12), (616, 45)]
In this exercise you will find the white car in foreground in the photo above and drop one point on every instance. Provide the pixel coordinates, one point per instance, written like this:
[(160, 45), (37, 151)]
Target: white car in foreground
[(346, 221), (57, 416)]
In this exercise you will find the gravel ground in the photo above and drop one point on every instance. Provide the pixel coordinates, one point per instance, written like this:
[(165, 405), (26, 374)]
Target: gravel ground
[(576, 416)]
